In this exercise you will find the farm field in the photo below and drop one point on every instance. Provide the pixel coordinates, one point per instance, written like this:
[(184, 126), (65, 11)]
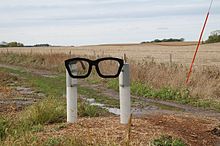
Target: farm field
[(165, 109), (178, 52)]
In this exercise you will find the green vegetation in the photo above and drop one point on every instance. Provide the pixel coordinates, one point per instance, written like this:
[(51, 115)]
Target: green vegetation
[(167, 141), (33, 140), (91, 111), (42, 45), (165, 40), (168, 40), (167, 94), (11, 44), (57, 141), (4, 123), (51, 109), (214, 37)]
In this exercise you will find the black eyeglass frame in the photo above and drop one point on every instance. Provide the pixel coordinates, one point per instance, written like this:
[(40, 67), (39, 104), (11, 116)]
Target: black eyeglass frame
[(96, 64)]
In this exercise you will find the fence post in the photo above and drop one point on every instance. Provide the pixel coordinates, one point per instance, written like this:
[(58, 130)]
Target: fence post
[(124, 93), (71, 90), (171, 59)]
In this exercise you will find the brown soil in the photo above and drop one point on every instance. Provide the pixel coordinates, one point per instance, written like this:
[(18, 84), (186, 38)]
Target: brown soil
[(108, 130)]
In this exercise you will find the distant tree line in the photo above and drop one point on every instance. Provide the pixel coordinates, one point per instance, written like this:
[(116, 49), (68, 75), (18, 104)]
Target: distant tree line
[(168, 40), (11, 44), (41, 45), (17, 44), (214, 37), (165, 40)]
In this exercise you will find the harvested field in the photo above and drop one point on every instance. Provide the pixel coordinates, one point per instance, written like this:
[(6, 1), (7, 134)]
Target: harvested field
[(179, 53)]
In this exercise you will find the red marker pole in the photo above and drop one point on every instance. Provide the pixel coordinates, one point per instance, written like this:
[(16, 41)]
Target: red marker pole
[(197, 48)]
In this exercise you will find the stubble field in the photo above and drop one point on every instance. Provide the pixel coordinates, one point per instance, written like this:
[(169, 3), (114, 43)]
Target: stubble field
[(178, 52)]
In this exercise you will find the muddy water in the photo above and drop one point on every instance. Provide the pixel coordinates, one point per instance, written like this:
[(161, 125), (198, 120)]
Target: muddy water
[(20, 98), (144, 106), (135, 110)]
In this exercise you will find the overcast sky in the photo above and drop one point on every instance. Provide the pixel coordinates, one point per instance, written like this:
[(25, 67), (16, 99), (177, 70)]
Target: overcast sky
[(82, 22)]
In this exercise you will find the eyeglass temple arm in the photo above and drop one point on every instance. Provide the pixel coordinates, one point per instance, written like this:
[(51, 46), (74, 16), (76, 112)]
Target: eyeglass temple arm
[(82, 64)]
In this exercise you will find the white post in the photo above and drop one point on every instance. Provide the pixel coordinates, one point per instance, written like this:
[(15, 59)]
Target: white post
[(71, 90), (124, 91)]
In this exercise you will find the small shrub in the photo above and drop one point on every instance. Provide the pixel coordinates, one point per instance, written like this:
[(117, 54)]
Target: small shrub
[(37, 128), (214, 37), (86, 110), (52, 142), (49, 110), (4, 123), (167, 141), (67, 141)]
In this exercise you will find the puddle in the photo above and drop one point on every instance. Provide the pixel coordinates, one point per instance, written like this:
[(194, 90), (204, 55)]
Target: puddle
[(98, 104), (14, 105), (137, 110), (49, 76), (165, 107), (24, 101), (24, 90), (92, 101), (115, 111)]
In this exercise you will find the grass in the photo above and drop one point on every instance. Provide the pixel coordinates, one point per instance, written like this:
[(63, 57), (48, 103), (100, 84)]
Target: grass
[(149, 80), (65, 141), (167, 94), (204, 82), (49, 110), (91, 93), (4, 124), (31, 139), (167, 141), (85, 110), (52, 109), (203, 92)]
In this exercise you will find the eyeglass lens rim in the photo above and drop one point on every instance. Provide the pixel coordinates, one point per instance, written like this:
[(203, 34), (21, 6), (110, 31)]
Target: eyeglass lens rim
[(94, 63)]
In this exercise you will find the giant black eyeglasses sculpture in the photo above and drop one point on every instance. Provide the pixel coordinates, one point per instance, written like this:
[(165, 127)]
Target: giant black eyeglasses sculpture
[(108, 67)]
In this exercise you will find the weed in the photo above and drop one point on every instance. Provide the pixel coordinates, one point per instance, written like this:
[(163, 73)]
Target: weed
[(60, 126), (4, 124), (67, 141), (167, 141), (37, 128), (52, 141), (85, 110), (49, 110), (168, 93)]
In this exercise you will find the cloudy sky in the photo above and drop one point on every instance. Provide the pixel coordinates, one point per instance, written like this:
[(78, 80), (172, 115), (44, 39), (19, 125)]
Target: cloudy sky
[(82, 22)]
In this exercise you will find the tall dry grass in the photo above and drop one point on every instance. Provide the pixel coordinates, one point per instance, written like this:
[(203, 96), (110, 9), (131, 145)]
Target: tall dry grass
[(181, 53), (204, 82)]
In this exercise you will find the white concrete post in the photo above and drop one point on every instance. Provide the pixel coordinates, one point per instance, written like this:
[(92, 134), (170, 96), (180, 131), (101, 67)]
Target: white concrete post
[(71, 95), (124, 93)]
